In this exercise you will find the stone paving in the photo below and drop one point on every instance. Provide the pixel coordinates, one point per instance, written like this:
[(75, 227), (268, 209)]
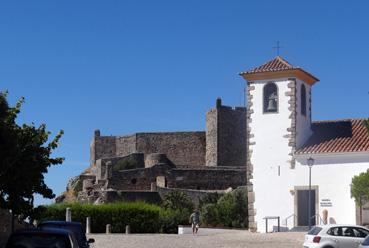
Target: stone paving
[(234, 239)]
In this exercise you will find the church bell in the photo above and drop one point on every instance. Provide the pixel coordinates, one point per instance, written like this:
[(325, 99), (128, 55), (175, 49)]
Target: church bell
[(272, 105)]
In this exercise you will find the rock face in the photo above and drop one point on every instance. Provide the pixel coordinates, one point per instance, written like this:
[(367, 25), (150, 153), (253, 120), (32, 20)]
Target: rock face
[(144, 162)]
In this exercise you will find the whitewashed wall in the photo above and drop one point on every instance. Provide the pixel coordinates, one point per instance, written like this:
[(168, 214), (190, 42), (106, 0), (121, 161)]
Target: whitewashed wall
[(274, 193), (271, 150), (303, 123), (333, 174)]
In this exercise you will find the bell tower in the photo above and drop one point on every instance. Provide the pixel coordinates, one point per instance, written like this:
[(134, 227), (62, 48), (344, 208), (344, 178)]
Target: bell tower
[(278, 122)]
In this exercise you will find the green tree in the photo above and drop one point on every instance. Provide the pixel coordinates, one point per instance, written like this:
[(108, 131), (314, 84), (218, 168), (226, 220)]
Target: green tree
[(177, 209), (25, 153), (229, 211), (360, 190)]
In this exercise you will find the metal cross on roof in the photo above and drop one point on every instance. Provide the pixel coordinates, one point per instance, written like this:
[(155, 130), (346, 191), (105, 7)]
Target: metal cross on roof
[(277, 47)]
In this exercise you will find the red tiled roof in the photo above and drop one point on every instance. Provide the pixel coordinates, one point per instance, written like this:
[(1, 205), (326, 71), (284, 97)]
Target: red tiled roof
[(339, 136), (276, 64)]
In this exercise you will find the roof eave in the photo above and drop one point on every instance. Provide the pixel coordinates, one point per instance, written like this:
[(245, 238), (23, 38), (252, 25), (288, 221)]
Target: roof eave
[(295, 72), (329, 154)]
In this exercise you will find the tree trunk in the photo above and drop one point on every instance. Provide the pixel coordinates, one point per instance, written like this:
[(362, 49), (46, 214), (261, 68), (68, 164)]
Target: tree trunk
[(361, 212), (12, 222)]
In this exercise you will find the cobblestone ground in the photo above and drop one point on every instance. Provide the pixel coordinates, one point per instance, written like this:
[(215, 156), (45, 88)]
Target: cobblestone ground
[(235, 239)]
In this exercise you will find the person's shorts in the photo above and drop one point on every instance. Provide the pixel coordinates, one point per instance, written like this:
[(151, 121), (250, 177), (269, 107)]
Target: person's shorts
[(195, 225)]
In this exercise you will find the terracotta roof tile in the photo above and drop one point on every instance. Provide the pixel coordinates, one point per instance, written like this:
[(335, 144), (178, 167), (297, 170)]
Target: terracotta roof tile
[(276, 64), (339, 136)]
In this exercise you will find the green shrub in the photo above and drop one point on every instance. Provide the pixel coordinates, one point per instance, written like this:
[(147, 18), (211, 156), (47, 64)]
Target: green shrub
[(170, 219), (232, 209), (209, 214), (229, 211), (177, 200), (225, 207), (142, 217)]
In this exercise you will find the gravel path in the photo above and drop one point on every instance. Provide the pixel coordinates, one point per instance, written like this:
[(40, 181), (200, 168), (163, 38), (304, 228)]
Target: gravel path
[(234, 239)]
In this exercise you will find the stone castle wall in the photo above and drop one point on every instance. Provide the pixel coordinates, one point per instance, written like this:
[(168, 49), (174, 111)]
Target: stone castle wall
[(181, 148), (226, 136), (232, 136), (101, 171), (137, 179), (102, 147), (211, 157), (126, 145)]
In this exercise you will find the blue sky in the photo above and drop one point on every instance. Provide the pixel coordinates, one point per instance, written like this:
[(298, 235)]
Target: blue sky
[(130, 66)]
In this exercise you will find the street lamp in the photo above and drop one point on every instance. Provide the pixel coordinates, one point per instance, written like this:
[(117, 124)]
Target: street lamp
[(310, 162)]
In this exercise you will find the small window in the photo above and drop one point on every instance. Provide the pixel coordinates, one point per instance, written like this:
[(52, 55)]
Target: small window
[(335, 231), (348, 232), (366, 241), (303, 100), (359, 232), (270, 93), (315, 231)]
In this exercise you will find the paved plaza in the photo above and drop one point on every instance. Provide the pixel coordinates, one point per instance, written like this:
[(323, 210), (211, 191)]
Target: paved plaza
[(233, 239)]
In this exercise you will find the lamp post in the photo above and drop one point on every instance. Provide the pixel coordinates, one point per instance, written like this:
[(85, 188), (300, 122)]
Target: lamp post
[(310, 162)]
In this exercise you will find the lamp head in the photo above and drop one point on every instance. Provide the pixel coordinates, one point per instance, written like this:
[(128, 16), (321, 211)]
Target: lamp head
[(310, 161)]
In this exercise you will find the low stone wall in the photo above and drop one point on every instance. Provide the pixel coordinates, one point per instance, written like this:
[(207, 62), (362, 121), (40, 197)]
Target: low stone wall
[(146, 196), (206, 178), (101, 164), (138, 179), (108, 196), (194, 195), (5, 226), (212, 178), (154, 197)]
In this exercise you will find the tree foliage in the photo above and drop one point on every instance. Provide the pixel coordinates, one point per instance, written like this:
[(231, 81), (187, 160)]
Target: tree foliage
[(177, 207), (231, 210), (25, 153), (360, 187)]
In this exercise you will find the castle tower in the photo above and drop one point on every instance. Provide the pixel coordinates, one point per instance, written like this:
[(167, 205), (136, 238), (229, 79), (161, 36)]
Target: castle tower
[(278, 122), (226, 136)]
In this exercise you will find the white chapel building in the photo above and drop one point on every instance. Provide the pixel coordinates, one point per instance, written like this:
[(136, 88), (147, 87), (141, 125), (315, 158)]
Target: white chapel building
[(282, 138)]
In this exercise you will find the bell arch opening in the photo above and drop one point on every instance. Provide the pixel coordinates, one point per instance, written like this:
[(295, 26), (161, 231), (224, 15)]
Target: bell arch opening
[(270, 96)]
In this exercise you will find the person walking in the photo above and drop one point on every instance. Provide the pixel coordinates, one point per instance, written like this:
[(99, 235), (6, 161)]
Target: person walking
[(194, 221)]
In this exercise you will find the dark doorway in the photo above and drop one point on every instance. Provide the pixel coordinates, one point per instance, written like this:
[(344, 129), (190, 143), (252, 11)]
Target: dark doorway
[(302, 207)]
